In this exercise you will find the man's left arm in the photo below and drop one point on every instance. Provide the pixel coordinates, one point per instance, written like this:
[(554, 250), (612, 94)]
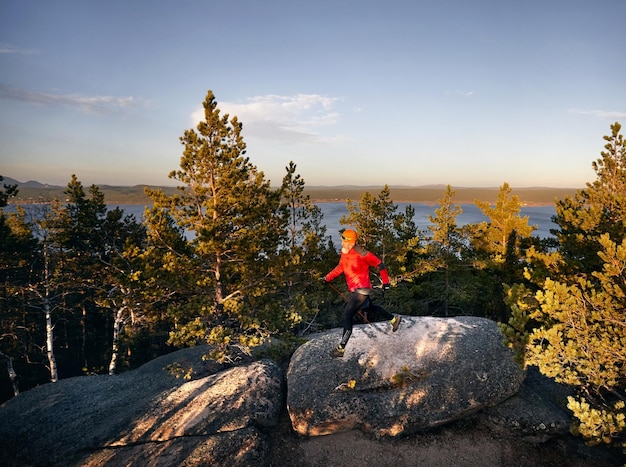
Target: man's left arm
[(384, 275), (380, 266)]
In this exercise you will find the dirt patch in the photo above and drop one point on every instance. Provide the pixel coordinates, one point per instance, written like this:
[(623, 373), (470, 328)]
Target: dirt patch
[(466, 443)]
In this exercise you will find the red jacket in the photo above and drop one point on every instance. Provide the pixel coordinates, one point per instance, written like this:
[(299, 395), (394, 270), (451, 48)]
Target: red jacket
[(355, 265)]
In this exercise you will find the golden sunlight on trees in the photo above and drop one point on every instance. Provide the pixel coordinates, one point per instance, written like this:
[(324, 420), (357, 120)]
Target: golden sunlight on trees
[(239, 251), (505, 225), (231, 216), (230, 261), (575, 298)]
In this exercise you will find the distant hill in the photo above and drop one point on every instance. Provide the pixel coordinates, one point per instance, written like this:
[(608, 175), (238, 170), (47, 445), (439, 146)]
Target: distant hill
[(30, 184), (431, 194), (36, 192)]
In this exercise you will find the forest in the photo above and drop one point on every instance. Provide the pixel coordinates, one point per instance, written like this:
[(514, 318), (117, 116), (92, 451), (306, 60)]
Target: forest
[(229, 261)]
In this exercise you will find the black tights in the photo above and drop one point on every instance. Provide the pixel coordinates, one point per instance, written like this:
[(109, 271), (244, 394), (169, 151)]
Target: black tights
[(356, 302)]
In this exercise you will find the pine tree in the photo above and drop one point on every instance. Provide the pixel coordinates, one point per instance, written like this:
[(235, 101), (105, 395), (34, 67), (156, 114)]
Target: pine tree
[(361, 218), (302, 297), (232, 217), (124, 288), (598, 209), (446, 235), (375, 219), (498, 236), (445, 252), (391, 235), (7, 192), (499, 246), (18, 253), (75, 249), (582, 340), (84, 275), (573, 328), (297, 206), (441, 280)]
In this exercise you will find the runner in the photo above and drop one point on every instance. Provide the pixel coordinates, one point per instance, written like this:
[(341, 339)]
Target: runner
[(354, 263)]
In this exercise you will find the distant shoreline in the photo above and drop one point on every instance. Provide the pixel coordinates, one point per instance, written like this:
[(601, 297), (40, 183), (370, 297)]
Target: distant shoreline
[(534, 196), (431, 194)]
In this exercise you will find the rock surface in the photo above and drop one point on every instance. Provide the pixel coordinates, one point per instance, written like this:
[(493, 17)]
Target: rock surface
[(146, 417), (236, 416), (429, 373)]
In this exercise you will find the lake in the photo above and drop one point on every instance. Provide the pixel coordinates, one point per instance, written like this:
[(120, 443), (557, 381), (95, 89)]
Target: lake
[(540, 216)]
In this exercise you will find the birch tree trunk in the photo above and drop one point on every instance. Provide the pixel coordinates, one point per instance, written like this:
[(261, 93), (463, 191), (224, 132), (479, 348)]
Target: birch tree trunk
[(12, 373), (118, 326), (54, 376)]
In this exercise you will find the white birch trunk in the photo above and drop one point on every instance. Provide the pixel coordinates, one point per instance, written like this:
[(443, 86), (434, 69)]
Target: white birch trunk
[(54, 375), (118, 326), (12, 373)]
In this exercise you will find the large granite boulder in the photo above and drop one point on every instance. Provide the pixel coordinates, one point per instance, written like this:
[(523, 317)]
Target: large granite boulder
[(227, 417), (430, 372), (147, 416)]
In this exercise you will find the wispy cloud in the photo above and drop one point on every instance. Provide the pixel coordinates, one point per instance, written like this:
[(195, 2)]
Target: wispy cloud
[(605, 114), (460, 93), (11, 49), (293, 119), (95, 104)]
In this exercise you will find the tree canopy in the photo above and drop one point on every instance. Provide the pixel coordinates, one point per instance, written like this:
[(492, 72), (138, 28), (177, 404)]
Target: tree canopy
[(231, 261), (568, 317)]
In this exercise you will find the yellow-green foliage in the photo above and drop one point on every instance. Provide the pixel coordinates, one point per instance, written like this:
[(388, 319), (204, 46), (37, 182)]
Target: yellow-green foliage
[(177, 370), (504, 218), (404, 377), (582, 342), (578, 323), (515, 333), (188, 334), (515, 330), (280, 349), (349, 386), (585, 340), (598, 425)]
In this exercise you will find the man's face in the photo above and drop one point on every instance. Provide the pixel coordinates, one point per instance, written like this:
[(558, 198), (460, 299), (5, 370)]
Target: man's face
[(346, 244)]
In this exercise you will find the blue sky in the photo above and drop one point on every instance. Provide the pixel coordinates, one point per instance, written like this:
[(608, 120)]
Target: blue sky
[(460, 92)]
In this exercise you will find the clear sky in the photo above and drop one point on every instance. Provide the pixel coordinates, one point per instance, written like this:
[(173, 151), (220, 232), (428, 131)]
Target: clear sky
[(460, 92)]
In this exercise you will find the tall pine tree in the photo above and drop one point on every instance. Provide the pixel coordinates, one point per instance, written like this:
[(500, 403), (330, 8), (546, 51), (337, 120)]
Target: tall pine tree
[(232, 219), (577, 312)]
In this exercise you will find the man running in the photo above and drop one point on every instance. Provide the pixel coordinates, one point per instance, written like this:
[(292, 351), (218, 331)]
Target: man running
[(354, 263)]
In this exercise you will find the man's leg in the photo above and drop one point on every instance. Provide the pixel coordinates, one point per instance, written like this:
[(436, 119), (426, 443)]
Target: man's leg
[(380, 312), (353, 305), (395, 323)]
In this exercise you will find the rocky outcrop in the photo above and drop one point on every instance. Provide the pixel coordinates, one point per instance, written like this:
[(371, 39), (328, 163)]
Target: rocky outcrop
[(235, 416), (535, 414), (431, 372), (147, 416)]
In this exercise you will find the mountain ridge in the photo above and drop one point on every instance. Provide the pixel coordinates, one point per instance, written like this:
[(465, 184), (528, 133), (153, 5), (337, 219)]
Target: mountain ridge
[(34, 191)]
